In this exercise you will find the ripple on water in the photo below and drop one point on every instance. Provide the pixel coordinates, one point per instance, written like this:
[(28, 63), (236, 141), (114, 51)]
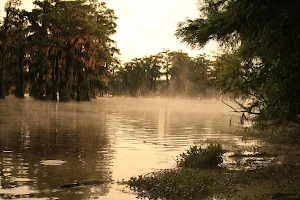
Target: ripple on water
[(22, 190), (7, 151), (19, 179), (104, 139), (52, 162)]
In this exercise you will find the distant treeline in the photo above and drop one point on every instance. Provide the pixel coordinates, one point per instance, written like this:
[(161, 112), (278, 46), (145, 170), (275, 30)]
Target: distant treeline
[(63, 49), (168, 73)]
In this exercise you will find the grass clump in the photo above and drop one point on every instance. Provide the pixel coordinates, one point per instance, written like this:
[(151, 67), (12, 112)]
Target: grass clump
[(176, 184), (197, 157)]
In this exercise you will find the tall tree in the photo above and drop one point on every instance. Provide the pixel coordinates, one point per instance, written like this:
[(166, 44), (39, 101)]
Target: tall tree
[(70, 44), (259, 32), (179, 72), (11, 16), (18, 49), (200, 69)]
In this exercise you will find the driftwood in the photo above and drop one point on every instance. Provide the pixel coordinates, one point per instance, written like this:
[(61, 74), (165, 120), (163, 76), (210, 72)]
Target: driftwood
[(156, 143), (261, 154), (84, 183)]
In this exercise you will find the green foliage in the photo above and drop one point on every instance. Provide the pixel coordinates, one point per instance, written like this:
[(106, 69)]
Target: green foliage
[(176, 184), (65, 47), (59, 46), (263, 58), (196, 157), (167, 74), (180, 184), (10, 22), (184, 183)]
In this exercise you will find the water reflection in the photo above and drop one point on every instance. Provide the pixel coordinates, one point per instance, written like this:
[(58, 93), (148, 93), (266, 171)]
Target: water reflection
[(44, 145), (162, 121)]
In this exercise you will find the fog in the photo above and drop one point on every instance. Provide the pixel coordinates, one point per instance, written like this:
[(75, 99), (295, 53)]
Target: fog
[(45, 145)]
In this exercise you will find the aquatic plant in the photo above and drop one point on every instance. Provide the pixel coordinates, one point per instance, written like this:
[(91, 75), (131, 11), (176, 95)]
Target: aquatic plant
[(176, 184), (197, 157), (279, 181)]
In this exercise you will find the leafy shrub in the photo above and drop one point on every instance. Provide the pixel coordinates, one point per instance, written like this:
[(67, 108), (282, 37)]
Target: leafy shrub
[(196, 157)]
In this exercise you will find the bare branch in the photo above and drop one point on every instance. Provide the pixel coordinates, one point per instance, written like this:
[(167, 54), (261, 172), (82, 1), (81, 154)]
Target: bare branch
[(230, 106), (240, 111)]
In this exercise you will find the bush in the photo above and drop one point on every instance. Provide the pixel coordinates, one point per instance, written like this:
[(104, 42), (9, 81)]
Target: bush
[(196, 157)]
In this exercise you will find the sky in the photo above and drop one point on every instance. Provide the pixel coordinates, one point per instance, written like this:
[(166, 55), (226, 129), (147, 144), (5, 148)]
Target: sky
[(147, 26)]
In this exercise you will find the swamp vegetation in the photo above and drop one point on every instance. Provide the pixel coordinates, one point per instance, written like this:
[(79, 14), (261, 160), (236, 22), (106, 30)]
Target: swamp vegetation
[(272, 182), (195, 177), (260, 70), (196, 157), (63, 50)]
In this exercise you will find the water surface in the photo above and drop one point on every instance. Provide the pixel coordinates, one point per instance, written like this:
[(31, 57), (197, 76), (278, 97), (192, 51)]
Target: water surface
[(44, 145)]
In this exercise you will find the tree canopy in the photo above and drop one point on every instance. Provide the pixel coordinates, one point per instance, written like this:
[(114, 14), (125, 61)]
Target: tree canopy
[(63, 49), (263, 39), (167, 73), (60, 47)]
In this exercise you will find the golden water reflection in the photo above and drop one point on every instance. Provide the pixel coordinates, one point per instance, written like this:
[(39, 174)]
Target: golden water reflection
[(44, 145)]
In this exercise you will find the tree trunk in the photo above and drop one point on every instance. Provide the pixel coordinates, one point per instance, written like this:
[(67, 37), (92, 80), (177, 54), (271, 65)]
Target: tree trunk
[(55, 77), (82, 87), (20, 90), (1, 76), (64, 94)]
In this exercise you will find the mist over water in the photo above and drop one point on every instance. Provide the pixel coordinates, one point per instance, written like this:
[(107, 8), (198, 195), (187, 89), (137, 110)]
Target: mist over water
[(44, 145)]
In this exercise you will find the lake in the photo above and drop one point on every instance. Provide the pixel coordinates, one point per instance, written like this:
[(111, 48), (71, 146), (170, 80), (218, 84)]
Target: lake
[(45, 145)]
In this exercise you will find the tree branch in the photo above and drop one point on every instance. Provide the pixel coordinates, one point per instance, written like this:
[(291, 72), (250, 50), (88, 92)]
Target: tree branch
[(230, 106), (245, 109), (240, 111)]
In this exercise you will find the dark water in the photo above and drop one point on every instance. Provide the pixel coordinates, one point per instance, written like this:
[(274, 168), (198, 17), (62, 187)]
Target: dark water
[(44, 145)]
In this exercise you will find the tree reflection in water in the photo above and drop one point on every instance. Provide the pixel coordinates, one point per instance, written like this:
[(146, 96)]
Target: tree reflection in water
[(46, 145)]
